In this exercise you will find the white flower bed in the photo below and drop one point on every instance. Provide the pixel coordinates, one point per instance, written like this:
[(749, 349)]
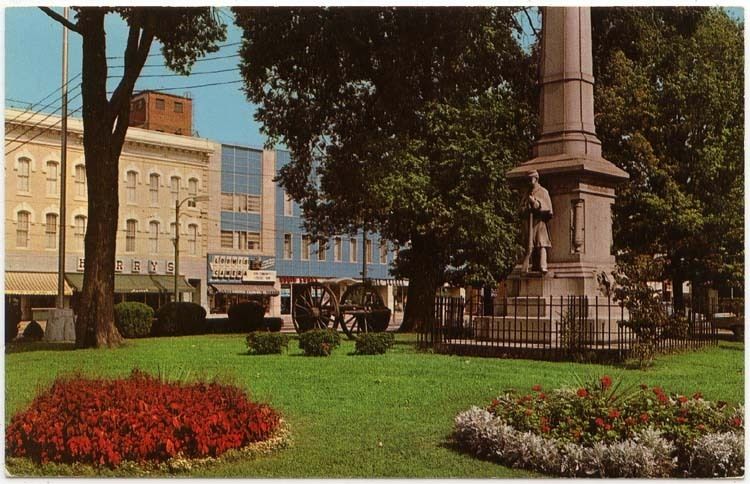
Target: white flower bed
[(646, 455)]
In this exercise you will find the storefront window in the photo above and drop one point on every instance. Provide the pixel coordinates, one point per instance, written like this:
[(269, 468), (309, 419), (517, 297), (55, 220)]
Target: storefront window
[(286, 299)]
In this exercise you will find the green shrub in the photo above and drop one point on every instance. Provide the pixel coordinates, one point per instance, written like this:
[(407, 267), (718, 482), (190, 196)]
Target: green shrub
[(273, 324), (12, 318), (33, 331), (246, 317), (319, 342), (265, 343), (179, 318), (373, 343), (134, 319)]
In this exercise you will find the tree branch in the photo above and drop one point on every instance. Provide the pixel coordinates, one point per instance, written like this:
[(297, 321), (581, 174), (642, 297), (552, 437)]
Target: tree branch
[(59, 18), (531, 24)]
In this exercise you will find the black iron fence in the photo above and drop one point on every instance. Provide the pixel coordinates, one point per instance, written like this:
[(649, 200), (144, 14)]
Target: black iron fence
[(558, 328)]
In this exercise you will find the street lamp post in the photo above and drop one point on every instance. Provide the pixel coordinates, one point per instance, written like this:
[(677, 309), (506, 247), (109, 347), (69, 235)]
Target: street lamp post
[(176, 240)]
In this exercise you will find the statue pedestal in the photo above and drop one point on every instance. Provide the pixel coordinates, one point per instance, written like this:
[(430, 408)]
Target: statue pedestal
[(60, 326)]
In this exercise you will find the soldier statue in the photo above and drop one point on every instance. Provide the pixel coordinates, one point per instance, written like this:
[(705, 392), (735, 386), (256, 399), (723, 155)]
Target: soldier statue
[(537, 210)]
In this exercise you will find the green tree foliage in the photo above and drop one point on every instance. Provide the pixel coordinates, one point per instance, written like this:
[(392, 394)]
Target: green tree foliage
[(185, 34), (402, 120), (669, 98)]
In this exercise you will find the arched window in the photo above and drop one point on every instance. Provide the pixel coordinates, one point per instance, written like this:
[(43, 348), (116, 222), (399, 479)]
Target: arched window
[(50, 230), (130, 228), (153, 236), (174, 187), (79, 230), (22, 229), (193, 239), (52, 175), (24, 168), (130, 186), (81, 181), (153, 187)]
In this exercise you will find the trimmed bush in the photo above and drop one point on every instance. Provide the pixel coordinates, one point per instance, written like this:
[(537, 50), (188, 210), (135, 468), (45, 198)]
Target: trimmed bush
[(265, 343), (319, 342), (33, 331), (273, 324), (373, 343), (137, 419), (12, 318), (246, 317), (133, 319), (179, 318)]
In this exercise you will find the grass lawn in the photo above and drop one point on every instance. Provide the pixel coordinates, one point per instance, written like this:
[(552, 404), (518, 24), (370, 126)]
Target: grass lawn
[(357, 416)]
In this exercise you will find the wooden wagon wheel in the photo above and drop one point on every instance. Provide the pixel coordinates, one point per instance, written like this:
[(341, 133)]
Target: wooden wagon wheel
[(362, 310), (315, 307)]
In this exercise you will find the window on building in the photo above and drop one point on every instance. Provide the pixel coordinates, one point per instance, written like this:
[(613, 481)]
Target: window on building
[(24, 168), (153, 236), (227, 202), (80, 180), (287, 205), (130, 185), (227, 239), (52, 175), (253, 241), (192, 190), (50, 230), (322, 249), (305, 247), (177, 107), (383, 252), (253, 203), (22, 229), (174, 187), (160, 104), (193, 239), (130, 228), (79, 231), (337, 249), (287, 246), (352, 250), (242, 239), (368, 251), (153, 187)]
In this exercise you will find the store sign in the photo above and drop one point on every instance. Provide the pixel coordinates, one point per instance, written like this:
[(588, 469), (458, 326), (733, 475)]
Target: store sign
[(136, 266), (296, 280), (259, 276)]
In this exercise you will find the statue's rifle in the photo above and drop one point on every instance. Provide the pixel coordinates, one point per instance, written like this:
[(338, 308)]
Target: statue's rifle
[(530, 248)]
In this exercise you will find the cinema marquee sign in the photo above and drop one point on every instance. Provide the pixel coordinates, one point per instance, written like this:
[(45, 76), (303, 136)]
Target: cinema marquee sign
[(224, 267)]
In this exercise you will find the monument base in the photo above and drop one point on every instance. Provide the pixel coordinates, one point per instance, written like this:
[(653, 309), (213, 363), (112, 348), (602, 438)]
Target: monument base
[(60, 326)]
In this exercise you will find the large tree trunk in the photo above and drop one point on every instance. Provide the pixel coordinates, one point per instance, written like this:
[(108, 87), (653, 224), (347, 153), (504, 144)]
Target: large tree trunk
[(424, 279), (95, 325), (679, 297)]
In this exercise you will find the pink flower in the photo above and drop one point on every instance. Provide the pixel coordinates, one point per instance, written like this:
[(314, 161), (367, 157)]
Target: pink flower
[(682, 399), (536, 388), (599, 422), (680, 420), (736, 421), (644, 417), (542, 396), (606, 382), (582, 393), (697, 396), (614, 413)]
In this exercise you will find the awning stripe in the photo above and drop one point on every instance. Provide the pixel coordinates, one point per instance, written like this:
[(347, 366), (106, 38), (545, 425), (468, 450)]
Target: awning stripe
[(137, 283), (33, 284)]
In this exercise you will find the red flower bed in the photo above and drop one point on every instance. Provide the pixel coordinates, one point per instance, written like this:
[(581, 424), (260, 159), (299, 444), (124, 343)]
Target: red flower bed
[(139, 418)]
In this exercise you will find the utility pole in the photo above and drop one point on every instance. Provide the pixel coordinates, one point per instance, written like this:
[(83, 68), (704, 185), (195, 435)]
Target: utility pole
[(63, 170), (176, 248)]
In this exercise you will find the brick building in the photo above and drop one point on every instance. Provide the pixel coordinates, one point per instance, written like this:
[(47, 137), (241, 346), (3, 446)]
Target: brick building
[(158, 111)]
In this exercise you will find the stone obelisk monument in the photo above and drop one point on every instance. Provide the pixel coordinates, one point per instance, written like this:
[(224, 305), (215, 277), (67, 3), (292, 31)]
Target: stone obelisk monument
[(569, 243)]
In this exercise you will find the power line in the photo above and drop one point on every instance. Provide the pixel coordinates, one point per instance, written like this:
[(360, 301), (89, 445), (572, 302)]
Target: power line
[(37, 124), (40, 109), (204, 59), (49, 128), (195, 86), (47, 96), (231, 44), (218, 71)]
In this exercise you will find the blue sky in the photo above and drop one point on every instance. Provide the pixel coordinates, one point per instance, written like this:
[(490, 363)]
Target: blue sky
[(221, 112)]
